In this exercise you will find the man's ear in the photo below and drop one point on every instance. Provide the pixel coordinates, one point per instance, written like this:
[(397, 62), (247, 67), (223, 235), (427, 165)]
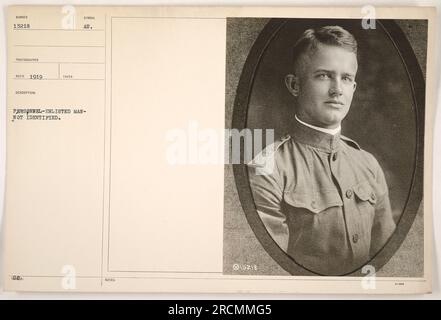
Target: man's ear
[(292, 83), (355, 86)]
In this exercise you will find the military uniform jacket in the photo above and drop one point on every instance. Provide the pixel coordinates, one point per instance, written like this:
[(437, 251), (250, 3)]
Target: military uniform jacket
[(323, 200)]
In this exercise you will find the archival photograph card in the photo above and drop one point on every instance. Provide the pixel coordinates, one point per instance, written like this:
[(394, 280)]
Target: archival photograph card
[(219, 149)]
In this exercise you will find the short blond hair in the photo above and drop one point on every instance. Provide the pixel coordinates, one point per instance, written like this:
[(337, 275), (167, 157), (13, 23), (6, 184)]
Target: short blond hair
[(329, 35)]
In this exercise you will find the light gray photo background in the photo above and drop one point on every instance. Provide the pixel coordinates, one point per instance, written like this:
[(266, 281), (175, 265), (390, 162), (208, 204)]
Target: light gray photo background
[(381, 120)]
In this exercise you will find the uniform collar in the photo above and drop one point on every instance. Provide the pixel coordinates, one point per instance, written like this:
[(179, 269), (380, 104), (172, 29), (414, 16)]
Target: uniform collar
[(330, 131), (315, 138)]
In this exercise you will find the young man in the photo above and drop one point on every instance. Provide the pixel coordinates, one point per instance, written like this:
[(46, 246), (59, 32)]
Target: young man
[(325, 200)]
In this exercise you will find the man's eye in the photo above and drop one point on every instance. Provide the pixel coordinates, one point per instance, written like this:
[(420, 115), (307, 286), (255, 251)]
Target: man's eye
[(323, 76), (347, 79)]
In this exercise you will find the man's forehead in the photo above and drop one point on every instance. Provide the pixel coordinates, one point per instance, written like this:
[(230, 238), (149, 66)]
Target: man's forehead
[(325, 56), (331, 58)]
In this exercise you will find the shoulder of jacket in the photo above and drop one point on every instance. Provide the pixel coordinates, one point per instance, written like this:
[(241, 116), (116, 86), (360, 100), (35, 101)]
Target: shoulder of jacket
[(370, 159), (350, 142), (268, 153)]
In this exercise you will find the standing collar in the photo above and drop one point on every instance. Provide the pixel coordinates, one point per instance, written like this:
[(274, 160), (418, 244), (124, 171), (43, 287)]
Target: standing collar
[(329, 131), (305, 134)]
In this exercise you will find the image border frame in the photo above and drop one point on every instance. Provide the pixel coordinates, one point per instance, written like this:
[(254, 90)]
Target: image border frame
[(239, 120)]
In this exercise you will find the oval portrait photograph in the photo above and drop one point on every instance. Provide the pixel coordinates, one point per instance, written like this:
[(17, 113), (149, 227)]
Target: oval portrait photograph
[(327, 117)]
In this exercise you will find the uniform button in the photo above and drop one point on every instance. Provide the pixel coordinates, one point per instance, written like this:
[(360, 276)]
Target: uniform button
[(355, 238), (334, 157), (349, 193), (313, 205), (373, 196)]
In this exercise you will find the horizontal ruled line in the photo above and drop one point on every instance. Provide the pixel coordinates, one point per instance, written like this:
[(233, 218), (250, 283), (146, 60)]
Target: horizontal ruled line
[(167, 271), (234, 277), (55, 46), (67, 62), (86, 30), (170, 17), (55, 79)]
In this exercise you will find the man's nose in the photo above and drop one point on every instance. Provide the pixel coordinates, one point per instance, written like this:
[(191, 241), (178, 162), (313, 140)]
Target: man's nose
[(335, 89)]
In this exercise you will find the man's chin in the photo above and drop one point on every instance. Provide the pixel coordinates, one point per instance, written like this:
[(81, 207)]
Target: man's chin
[(333, 121), (327, 119)]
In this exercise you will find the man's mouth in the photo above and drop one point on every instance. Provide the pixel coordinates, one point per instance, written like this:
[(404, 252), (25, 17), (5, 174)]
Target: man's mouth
[(334, 103)]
